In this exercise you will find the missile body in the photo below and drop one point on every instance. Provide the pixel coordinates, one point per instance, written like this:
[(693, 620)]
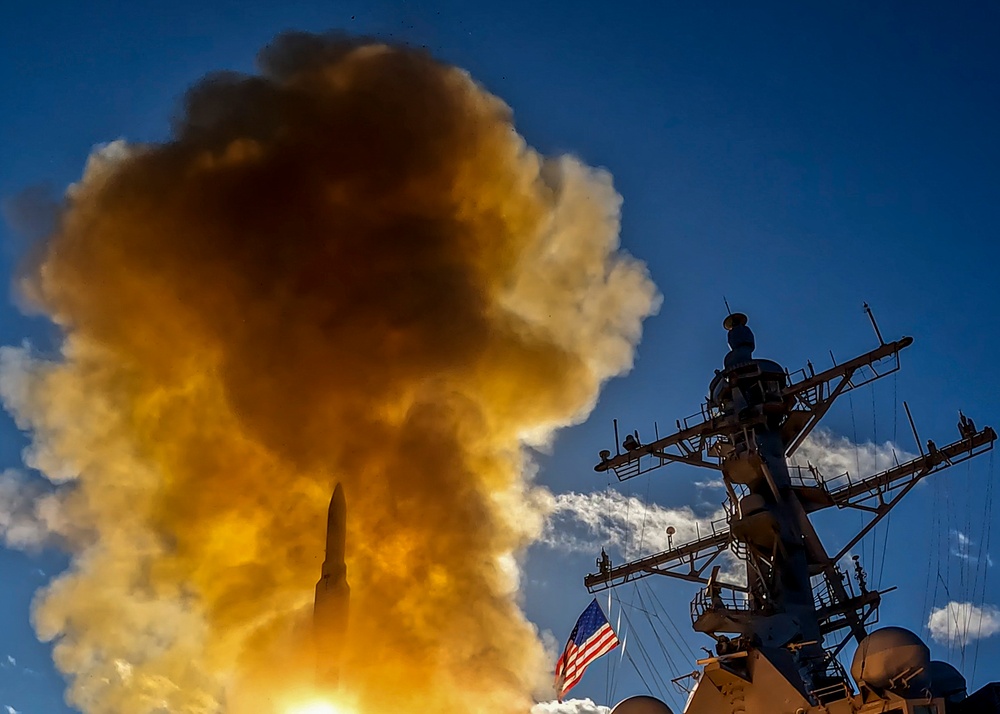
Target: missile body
[(333, 594)]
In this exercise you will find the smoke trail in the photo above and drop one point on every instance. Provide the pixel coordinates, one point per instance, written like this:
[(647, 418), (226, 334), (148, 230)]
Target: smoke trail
[(349, 267)]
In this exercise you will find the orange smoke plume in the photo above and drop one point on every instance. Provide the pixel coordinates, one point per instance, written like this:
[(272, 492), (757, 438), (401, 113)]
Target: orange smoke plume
[(350, 268)]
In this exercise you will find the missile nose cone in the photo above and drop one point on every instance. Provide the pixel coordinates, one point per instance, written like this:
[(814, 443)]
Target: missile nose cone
[(337, 500), (336, 531)]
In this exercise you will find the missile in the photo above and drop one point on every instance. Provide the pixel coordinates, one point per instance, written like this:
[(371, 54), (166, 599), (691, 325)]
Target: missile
[(333, 594)]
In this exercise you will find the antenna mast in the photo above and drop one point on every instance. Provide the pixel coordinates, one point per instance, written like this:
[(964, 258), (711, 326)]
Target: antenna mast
[(755, 417)]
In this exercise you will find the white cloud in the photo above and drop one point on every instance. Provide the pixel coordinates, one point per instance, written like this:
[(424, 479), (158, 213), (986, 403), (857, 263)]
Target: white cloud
[(11, 660), (961, 622), (10, 709), (712, 485), (962, 546), (834, 455), (586, 522), (570, 706)]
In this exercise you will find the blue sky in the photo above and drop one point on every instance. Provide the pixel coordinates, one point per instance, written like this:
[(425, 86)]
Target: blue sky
[(797, 159)]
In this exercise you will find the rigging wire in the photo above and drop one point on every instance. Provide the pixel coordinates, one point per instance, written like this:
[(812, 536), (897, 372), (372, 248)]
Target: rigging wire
[(674, 671), (895, 423), (857, 459), (887, 525), (876, 573), (624, 634), (628, 513), (642, 525), (670, 621), (963, 548), (654, 673), (628, 655), (610, 670), (988, 522), (885, 546), (933, 537), (895, 406), (608, 662), (628, 538), (949, 525)]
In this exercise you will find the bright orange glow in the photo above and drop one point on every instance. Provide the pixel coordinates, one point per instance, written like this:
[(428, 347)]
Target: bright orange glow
[(318, 707), (349, 269)]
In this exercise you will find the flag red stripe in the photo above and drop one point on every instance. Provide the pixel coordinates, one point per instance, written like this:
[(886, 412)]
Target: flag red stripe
[(583, 656), (581, 664), (574, 660), (572, 680), (574, 653), (592, 653), (575, 672), (578, 673)]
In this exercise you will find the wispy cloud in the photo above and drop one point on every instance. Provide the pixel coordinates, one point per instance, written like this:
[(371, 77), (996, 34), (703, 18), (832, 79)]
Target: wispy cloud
[(833, 455), (716, 485), (962, 546), (11, 710), (958, 623), (570, 706)]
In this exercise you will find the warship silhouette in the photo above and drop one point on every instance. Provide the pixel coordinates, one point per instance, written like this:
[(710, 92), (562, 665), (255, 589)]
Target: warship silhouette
[(778, 635)]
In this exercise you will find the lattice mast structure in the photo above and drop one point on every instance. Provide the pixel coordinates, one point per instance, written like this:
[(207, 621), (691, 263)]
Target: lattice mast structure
[(756, 416)]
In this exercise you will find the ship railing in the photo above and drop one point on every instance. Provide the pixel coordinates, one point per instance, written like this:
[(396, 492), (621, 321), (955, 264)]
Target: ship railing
[(717, 527), (720, 525), (823, 592), (719, 599), (831, 693), (839, 482), (822, 597), (705, 414), (807, 476), (863, 374), (832, 682)]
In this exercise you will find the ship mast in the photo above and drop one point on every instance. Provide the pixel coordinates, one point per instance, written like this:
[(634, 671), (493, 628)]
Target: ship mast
[(755, 417)]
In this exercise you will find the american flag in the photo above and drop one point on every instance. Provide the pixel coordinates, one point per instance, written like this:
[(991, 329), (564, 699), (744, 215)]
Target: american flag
[(591, 638)]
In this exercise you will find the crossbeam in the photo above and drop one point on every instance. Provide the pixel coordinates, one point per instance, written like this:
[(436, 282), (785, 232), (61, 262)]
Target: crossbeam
[(686, 562), (690, 560), (812, 397)]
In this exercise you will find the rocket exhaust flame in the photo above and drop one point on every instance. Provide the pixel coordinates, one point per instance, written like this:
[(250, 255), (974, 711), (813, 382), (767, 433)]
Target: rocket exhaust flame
[(348, 268)]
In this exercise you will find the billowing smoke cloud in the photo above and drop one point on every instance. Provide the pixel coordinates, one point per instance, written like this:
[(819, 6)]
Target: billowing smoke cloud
[(351, 268)]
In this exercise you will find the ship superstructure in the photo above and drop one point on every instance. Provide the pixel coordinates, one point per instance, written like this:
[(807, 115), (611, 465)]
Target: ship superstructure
[(777, 636)]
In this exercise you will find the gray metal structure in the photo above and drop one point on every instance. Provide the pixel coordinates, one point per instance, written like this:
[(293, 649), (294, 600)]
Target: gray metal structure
[(778, 636)]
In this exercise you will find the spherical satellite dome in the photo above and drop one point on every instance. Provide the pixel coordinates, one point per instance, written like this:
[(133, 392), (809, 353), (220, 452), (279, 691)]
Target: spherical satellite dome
[(889, 655), (947, 682), (641, 705)]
